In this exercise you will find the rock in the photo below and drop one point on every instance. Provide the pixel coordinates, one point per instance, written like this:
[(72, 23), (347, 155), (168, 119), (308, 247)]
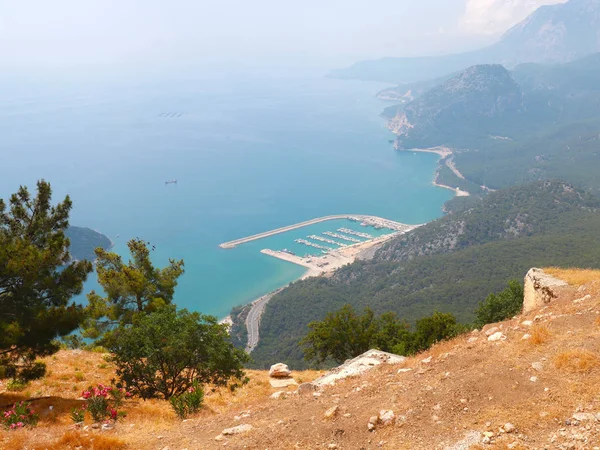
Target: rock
[(282, 382), (537, 366), (317, 394), (236, 430), (306, 388), (404, 370), (491, 331), (509, 427), (332, 412), (525, 337), (533, 379), (488, 434), (527, 323), (279, 370), (332, 446), (372, 423), (497, 336), (357, 366), (220, 438), (582, 417), (582, 299), (278, 394), (107, 426), (486, 440), (427, 360), (347, 415), (472, 340), (96, 426), (166, 448), (386, 417), (540, 289)]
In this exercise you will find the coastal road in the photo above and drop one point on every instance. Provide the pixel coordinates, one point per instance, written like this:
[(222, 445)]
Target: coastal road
[(253, 319)]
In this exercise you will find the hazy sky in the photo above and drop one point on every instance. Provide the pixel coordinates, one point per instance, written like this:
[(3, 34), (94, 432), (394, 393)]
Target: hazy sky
[(79, 32)]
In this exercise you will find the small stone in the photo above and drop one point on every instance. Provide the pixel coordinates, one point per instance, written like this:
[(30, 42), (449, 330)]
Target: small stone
[(527, 323), (107, 426), (372, 423), (427, 360), (486, 440), (582, 417), (509, 427), (472, 339), (331, 412), (463, 400), (237, 430), (219, 438), (347, 415), (533, 379), (386, 417), (370, 426), (166, 448), (497, 336), (278, 394), (332, 446), (488, 434), (526, 336), (491, 331), (317, 394), (404, 370), (306, 388), (537, 366)]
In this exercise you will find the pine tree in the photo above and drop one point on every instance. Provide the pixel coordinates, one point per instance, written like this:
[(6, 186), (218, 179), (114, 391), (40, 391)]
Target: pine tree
[(37, 280)]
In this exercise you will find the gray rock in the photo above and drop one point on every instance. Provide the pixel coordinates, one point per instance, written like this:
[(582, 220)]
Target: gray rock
[(236, 430), (306, 388)]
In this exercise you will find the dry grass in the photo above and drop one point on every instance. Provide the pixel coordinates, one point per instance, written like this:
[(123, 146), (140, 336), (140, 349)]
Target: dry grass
[(575, 277), (576, 361), (539, 334), (75, 440)]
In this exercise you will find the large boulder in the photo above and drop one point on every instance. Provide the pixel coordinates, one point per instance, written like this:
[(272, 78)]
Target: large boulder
[(540, 289), (279, 370)]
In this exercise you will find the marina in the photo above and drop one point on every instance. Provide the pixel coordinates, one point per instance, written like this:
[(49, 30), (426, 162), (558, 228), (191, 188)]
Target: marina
[(374, 221)]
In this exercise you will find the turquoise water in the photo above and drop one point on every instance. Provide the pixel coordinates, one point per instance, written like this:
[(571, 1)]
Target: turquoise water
[(249, 156)]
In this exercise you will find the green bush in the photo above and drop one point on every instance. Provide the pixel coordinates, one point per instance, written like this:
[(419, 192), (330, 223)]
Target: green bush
[(16, 385), (164, 353), (501, 306), (189, 402)]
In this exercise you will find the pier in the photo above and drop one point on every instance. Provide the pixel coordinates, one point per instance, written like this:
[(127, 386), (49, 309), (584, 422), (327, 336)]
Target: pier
[(366, 220), (355, 233), (328, 241), (341, 236), (312, 244)]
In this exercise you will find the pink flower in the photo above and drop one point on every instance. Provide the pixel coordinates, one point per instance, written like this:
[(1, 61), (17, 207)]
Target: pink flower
[(13, 426), (128, 394), (86, 394), (113, 414), (20, 424)]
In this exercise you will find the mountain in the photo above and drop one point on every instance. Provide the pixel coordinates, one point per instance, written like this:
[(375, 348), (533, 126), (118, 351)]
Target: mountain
[(84, 241), (475, 98), (551, 34), (449, 265)]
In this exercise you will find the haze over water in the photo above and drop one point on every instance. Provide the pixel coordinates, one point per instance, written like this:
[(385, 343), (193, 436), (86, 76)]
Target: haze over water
[(250, 154)]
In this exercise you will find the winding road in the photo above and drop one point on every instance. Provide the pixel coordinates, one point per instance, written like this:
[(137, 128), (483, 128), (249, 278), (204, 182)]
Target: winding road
[(253, 319)]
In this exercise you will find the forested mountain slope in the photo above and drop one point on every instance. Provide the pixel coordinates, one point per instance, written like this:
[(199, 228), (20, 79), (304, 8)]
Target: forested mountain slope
[(450, 264)]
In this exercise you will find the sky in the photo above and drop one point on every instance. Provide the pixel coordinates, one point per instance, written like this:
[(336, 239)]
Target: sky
[(69, 33)]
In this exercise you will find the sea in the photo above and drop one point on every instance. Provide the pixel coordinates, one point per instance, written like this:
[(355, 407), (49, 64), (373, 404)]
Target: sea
[(249, 153)]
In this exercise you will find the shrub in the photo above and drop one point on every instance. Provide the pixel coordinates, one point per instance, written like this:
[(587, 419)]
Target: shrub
[(539, 334), (102, 402), (16, 385), (19, 416), (78, 414), (501, 306), (189, 402), (165, 352)]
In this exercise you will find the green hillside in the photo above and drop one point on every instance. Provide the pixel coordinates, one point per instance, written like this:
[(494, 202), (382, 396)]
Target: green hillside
[(450, 264)]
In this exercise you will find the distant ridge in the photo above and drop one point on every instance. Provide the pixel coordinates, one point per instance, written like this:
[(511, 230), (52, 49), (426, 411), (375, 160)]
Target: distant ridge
[(551, 34)]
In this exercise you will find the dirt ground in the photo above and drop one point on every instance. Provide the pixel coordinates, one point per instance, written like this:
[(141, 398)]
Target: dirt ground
[(546, 385)]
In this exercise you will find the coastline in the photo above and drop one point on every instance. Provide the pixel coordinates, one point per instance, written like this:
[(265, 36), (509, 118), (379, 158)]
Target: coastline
[(445, 157)]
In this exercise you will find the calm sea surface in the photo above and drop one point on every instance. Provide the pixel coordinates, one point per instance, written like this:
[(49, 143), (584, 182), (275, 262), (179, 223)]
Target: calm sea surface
[(248, 155)]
